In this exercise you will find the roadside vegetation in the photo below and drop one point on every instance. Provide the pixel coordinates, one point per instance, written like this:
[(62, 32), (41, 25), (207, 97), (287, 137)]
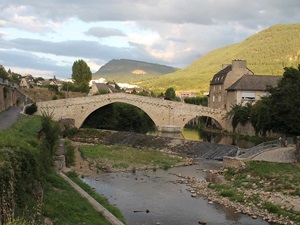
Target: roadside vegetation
[(118, 157), (30, 188)]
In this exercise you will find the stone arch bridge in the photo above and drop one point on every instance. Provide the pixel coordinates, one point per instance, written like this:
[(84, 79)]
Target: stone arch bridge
[(164, 113)]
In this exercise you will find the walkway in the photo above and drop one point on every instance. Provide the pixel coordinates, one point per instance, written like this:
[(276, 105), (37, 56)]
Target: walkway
[(283, 155), (9, 117)]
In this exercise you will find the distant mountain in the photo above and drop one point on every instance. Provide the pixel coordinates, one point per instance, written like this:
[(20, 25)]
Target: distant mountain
[(266, 52), (125, 70)]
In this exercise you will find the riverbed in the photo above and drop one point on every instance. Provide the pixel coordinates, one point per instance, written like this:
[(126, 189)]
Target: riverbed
[(154, 197)]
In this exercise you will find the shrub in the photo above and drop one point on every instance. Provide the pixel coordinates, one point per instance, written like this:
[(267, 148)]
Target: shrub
[(272, 208), (69, 154), (31, 109), (227, 193)]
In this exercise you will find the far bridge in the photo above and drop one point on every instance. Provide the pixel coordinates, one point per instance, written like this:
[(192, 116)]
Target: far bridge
[(164, 113)]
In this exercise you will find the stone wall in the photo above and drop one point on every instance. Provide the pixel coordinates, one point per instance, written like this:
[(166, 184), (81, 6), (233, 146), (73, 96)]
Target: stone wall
[(298, 150), (11, 96), (233, 162), (246, 129)]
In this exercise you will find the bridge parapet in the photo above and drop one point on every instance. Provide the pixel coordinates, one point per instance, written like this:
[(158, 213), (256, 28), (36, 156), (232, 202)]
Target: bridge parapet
[(162, 112)]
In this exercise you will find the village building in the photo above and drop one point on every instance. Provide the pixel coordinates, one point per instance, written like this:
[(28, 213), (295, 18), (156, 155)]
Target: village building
[(186, 94), (236, 84), (98, 88)]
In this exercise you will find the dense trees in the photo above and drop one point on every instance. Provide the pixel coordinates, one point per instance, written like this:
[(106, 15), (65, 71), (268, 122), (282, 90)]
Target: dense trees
[(203, 100), (170, 94), (122, 117)]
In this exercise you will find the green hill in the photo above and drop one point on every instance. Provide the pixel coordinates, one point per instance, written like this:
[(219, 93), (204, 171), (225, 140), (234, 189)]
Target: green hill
[(266, 52), (125, 70)]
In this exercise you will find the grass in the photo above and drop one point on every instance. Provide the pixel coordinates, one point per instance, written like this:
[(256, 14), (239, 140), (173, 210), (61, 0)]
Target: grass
[(268, 176), (102, 200), (61, 203), (121, 157), (65, 206)]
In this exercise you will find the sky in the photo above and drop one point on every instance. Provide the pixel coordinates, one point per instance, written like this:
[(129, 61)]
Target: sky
[(45, 37)]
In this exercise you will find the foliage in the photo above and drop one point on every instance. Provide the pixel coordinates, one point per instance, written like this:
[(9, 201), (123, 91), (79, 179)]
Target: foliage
[(239, 114), (69, 153), (280, 112), (121, 117), (49, 142), (19, 169), (285, 102), (3, 73), (81, 73), (31, 109), (263, 58), (170, 94), (260, 116), (69, 86), (53, 88), (203, 100), (128, 157)]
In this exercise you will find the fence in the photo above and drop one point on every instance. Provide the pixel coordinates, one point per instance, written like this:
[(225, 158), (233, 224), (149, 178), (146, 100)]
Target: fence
[(263, 146), (8, 83)]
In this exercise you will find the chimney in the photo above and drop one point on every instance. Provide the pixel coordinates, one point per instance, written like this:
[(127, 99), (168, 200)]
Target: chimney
[(239, 64)]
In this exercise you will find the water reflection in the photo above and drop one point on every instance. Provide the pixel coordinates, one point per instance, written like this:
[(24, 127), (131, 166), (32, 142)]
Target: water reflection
[(215, 137)]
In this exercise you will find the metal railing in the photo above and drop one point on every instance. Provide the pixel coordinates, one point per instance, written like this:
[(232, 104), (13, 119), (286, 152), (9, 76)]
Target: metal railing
[(8, 83), (263, 146)]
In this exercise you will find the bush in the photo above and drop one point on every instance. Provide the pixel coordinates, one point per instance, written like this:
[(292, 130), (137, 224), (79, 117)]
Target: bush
[(70, 154), (31, 109), (227, 193)]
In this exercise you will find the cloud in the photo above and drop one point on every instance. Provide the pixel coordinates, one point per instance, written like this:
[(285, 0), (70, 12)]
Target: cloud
[(45, 66), (54, 33), (104, 32)]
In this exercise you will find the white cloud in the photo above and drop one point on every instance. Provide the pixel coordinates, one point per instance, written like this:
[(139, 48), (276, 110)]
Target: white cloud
[(54, 33)]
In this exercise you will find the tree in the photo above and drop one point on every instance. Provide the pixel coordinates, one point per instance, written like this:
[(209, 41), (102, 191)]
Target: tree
[(239, 114), (81, 73), (3, 73), (285, 102), (261, 116), (170, 94)]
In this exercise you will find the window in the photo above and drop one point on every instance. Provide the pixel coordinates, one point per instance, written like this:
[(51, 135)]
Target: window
[(213, 98), (219, 98), (220, 88), (248, 95)]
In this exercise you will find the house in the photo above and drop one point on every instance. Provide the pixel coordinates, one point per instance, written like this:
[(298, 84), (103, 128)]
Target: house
[(97, 88), (236, 84), (186, 94)]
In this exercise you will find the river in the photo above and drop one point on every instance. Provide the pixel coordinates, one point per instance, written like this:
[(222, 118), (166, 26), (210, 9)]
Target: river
[(168, 202)]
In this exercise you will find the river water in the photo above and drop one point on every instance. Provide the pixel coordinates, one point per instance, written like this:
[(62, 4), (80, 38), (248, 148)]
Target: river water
[(168, 202)]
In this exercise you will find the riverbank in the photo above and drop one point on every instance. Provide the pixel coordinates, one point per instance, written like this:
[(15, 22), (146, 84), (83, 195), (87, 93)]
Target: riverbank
[(258, 195)]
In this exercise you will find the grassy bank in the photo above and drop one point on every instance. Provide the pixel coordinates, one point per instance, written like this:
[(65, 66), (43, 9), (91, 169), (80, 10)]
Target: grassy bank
[(261, 184), (129, 158), (65, 206), (29, 193)]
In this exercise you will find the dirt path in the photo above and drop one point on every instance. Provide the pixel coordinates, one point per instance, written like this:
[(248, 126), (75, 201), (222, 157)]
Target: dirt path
[(9, 117)]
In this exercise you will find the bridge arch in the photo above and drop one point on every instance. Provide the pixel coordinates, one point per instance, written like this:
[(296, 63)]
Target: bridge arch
[(162, 112), (81, 120)]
